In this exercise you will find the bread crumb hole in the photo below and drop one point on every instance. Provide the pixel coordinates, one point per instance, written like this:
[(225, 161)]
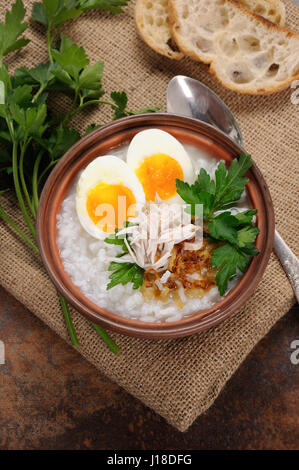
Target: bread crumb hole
[(272, 70), (271, 12), (228, 46), (204, 45), (250, 43), (241, 75), (278, 19), (159, 21), (149, 5)]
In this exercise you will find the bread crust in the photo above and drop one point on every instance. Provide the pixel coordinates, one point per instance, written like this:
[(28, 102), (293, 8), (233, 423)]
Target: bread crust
[(177, 55), (252, 91), (277, 5)]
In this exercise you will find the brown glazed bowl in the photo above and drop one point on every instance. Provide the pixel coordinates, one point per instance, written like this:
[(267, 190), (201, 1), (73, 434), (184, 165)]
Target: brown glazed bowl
[(100, 142)]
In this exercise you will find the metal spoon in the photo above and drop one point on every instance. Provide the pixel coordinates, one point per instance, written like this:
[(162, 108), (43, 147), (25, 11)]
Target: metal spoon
[(192, 98)]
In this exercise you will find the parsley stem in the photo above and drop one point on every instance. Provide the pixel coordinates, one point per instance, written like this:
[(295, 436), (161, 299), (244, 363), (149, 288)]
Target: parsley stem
[(35, 182), (113, 105), (39, 92), (4, 216), (68, 321), (18, 188), (106, 338), (45, 171), (70, 115), (49, 43), (22, 178)]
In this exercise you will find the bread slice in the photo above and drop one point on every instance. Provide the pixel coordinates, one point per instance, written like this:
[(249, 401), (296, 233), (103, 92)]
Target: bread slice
[(246, 53), (152, 21), (151, 17), (272, 10)]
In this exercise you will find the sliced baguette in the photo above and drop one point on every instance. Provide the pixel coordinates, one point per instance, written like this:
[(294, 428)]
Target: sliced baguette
[(152, 21), (151, 17), (272, 10), (246, 53)]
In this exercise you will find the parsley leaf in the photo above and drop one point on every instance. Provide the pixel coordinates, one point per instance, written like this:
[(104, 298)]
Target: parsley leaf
[(245, 217), (247, 235), (60, 140), (204, 182), (114, 240), (120, 101), (70, 57), (228, 258), (231, 184), (12, 29), (220, 194), (42, 74), (191, 196), (223, 227), (123, 273), (92, 76), (55, 12)]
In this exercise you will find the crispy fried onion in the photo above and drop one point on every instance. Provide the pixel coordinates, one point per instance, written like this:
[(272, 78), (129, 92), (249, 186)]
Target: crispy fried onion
[(189, 275)]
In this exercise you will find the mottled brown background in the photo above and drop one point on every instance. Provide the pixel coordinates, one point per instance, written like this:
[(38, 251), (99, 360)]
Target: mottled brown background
[(52, 398)]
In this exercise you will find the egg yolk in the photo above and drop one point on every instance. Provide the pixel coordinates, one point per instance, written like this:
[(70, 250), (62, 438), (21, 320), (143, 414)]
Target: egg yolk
[(157, 174), (110, 205)]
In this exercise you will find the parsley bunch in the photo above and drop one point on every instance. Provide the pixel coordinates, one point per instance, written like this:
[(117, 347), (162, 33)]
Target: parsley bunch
[(32, 137), (235, 234)]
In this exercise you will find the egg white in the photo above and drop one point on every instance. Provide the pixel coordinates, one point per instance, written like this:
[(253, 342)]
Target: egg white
[(110, 170), (155, 141)]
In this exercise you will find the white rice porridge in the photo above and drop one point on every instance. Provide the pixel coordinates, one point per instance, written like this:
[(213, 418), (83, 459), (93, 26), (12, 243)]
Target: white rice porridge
[(86, 260)]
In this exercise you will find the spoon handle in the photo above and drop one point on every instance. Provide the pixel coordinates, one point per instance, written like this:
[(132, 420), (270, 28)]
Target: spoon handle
[(289, 262)]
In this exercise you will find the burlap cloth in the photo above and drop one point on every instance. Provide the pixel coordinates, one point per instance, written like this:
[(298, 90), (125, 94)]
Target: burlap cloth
[(181, 378)]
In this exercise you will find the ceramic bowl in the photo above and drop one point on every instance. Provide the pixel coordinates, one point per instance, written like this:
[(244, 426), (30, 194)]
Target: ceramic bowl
[(101, 142)]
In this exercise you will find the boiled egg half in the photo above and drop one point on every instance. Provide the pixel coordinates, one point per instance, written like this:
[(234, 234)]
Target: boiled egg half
[(158, 159), (107, 193)]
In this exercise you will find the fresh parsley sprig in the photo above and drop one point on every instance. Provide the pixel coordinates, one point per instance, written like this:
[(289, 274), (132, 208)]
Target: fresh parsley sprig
[(123, 273), (54, 13), (32, 137), (235, 234), (12, 29)]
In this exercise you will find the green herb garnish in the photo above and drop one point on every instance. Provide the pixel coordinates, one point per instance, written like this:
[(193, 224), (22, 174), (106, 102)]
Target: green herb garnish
[(32, 137), (123, 273), (235, 234)]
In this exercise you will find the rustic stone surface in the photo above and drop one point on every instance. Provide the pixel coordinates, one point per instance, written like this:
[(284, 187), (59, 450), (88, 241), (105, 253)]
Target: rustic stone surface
[(52, 398)]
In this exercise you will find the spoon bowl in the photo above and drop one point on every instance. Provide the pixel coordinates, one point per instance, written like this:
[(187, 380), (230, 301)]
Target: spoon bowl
[(192, 98)]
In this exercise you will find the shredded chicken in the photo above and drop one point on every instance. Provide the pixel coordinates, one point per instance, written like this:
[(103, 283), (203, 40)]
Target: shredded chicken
[(155, 230)]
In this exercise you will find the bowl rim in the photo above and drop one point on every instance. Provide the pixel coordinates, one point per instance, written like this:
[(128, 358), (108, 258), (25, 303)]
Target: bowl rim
[(194, 323)]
